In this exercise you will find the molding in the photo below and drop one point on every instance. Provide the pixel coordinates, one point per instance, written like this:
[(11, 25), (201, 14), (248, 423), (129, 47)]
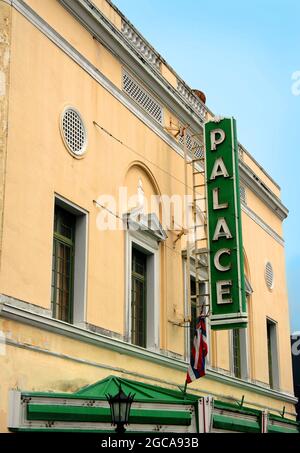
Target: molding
[(12, 311), (262, 224), (242, 150), (146, 224), (150, 246), (252, 387), (252, 181), (22, 305), (191, 98), (154, 59), (137, 41), (104, 31), (100, 330)]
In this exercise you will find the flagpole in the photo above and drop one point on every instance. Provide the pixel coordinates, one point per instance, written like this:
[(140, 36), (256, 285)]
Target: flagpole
[(185, 386)]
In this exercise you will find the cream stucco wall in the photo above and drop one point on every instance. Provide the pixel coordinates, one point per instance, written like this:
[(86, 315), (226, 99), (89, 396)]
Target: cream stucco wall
[(43, 81), (5, 42), (31, 193), (61, 369), (260, 248)]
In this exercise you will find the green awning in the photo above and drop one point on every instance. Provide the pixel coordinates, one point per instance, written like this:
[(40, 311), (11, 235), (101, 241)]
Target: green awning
[(87, 410)]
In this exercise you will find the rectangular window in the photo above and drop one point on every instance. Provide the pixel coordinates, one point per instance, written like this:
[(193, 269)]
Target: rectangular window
[(142, 289), (270, 365), (63, 265), (139, 298), (273, 365), (236, 351)]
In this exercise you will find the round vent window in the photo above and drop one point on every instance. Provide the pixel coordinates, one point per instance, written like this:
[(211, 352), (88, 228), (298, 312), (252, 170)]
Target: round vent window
[(269, 276), (73, 132)]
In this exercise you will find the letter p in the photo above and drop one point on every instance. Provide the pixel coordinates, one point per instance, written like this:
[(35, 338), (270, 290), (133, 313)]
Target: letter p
[(217, 136)]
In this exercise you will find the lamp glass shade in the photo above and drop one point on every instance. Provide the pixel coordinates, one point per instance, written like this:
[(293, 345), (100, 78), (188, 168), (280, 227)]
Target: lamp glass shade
[(120, 407)]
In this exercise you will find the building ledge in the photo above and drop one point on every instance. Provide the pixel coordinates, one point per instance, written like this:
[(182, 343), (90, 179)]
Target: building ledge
[(12, 309), (248, 177)]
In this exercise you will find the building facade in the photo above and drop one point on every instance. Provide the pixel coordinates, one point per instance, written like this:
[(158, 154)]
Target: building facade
[(295, 343), (93, 280)]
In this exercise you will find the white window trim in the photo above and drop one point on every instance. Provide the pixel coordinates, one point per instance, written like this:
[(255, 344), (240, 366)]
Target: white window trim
[(275, 355), (150, 247), (81, 259)]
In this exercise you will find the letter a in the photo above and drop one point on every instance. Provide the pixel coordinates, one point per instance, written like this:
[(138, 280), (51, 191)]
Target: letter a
[(219, 169), (222, 230)]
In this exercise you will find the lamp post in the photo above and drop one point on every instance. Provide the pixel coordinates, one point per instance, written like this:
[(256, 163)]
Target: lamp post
[(120, 405)]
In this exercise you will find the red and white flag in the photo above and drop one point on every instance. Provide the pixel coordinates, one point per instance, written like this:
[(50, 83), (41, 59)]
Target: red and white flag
[(199, 352)]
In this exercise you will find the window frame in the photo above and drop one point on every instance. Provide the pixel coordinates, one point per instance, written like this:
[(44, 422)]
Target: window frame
[(272, 353), (80, 258), (148, 245), (58, 238), (141, 279), (236, 353), (244, 353)]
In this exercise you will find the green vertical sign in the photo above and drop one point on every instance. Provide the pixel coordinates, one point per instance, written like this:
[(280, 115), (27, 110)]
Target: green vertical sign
[(226, 264)]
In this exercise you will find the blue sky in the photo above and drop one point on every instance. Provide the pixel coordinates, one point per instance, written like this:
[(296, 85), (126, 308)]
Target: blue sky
[(242, 54)]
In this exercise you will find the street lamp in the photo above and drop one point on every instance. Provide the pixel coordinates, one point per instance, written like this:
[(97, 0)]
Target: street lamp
[(120, 405)]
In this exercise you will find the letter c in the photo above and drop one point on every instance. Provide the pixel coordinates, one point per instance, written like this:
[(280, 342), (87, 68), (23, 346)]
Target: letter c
[(217, 257)]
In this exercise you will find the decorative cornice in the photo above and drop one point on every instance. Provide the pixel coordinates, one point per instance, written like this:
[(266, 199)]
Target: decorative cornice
[(136, 40), (140, 44), (190, 97), (13, 311), (155, 60), (107, 34), (149, 224), (243, 150), (247, 174)]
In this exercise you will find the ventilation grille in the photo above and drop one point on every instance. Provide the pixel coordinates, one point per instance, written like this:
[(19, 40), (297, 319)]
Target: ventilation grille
[(193, 146), (243, 194), (142, 97), (269, 275), (74, 132)]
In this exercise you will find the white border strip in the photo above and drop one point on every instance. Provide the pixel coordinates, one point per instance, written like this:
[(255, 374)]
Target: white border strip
[(11, 311)]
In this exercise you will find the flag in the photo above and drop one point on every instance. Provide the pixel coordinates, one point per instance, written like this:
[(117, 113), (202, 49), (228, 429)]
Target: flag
[(198, 353)]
